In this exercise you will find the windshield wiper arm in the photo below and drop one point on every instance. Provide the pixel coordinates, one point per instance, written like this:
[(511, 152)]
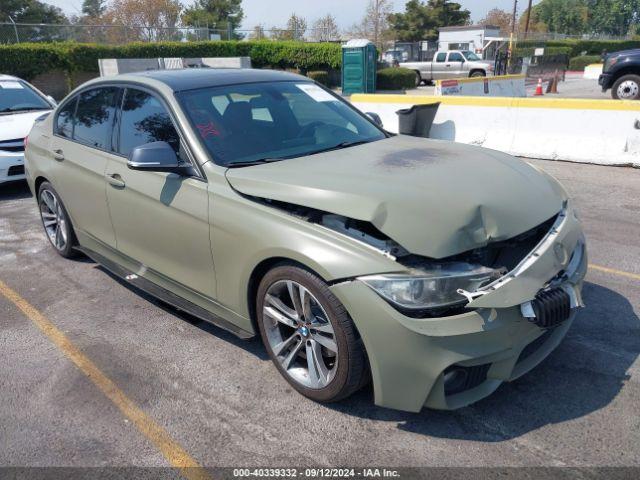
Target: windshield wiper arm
[(249, 163), (28, 109), (341, 145)]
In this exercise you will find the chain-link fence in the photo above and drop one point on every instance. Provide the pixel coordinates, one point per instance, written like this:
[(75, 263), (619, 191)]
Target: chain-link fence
[(120, 34)]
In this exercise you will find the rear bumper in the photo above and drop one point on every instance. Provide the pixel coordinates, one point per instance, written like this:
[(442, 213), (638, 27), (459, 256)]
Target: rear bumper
[(605, 81), (413, 360), (11, 166)]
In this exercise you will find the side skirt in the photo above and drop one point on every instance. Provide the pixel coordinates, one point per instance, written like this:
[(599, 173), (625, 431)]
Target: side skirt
[(164, 295)]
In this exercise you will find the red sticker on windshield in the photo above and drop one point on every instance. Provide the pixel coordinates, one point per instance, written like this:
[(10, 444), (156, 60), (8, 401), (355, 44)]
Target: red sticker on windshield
[(207, 129)]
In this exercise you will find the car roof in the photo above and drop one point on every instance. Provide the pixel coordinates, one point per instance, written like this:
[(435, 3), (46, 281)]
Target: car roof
[(192, 78), (8, 77)]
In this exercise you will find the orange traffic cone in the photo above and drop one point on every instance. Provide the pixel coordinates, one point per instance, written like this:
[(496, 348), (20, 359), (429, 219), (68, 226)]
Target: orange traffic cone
[(538, 89)]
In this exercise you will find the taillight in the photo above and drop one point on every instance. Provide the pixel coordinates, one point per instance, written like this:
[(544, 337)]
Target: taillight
[(26, 141)]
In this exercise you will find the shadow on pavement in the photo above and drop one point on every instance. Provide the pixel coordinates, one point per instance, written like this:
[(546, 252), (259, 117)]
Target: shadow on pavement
[(583, 375), (253, 345), (14, 190)]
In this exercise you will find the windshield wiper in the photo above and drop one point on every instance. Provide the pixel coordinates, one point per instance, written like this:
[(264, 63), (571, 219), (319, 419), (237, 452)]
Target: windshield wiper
[(340, 146), (261, 161), (23, 109), (249, 163)]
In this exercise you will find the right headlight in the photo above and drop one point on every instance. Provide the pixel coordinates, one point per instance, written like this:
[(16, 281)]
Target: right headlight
[(434, 287)]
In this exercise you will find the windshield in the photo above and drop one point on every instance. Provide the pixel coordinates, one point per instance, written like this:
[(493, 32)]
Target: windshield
[(246, 123), (470, 56), (17, 96)]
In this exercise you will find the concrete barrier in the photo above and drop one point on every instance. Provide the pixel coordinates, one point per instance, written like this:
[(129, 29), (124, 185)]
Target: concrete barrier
[(589, 131), (114, 66), (593, 71), (500, 86)]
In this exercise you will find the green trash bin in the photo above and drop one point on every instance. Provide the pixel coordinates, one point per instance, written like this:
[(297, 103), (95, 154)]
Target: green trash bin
[(359, 67)]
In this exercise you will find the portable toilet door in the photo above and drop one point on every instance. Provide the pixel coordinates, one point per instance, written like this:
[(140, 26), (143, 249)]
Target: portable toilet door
[(359, 65)]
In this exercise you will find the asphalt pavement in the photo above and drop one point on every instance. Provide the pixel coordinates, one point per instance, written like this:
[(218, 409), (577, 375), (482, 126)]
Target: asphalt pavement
[(222, 401)]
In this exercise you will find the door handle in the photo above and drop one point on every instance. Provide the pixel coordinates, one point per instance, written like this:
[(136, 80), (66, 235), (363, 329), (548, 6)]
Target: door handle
[(115, 180), (58, 155)]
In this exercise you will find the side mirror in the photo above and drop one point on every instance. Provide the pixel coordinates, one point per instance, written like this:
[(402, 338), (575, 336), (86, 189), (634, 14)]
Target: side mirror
[(375, 117), (156, 157)]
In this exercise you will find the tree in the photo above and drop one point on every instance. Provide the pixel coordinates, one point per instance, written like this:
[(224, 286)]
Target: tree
[(535, 25), (570, 17), (94, 8), (219, 14), (296, 26), (257, 33), (30, 11), (498, 18), (325, 29), (448, 14), (148, 20), (421, 21), (374, 25), (613, 17)]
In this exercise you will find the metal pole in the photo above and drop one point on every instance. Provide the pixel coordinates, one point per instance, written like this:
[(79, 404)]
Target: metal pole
[(526, 28), (513, 31), (15, 29)]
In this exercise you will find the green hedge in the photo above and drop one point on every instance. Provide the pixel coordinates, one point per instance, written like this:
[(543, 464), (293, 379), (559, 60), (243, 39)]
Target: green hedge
[(577, 47), (396, 79), (320, 76), (578, 63), (548, 51), (27, 60)]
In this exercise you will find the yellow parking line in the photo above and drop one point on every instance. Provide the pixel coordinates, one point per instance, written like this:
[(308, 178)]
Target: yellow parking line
[(613, 271), (172, 451)]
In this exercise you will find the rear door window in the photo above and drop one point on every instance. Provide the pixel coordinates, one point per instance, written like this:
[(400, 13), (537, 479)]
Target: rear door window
[(66, 119), (441, 57), (143, 120), (94, 117)]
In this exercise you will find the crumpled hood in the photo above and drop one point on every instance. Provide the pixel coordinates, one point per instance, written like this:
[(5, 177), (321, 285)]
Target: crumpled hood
[(434, 198), (18, 125)]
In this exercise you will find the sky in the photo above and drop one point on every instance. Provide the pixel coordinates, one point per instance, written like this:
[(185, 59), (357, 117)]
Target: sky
[(347, 12)]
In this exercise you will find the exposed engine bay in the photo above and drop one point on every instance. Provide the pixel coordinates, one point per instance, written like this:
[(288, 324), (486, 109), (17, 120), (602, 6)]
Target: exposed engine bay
[(503, 255)]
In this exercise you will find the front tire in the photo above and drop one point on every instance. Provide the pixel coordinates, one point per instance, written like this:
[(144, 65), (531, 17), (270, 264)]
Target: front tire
[(309, 335), (626, 87), (478, 73), (56, 221)]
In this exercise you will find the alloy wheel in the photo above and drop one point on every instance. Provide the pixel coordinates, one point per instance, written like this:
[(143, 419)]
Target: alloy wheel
[(300, 334), (53, 219)]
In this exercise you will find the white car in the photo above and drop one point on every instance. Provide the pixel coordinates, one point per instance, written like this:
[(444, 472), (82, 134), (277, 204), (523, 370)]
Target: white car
[(20, 105)]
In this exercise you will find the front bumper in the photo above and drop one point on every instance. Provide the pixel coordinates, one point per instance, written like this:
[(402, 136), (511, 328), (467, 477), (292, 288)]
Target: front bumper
[(410, 358), (605, 81), (11, 166)]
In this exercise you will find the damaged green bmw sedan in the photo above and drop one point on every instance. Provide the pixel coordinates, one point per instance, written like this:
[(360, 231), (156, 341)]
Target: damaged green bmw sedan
[(264, 203)]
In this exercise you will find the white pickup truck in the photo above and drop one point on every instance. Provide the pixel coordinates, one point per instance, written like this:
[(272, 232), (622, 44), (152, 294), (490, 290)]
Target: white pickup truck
[(450, 64)]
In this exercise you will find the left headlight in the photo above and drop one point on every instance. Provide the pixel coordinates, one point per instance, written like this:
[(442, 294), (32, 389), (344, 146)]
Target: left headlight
[(434, 287)]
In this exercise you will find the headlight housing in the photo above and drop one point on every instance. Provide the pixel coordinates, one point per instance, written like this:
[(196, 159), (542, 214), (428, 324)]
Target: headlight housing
[(609, 62), (435, 287)]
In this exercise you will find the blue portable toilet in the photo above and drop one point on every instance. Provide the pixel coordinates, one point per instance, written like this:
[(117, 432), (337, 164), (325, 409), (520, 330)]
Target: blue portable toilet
[(359, 67)]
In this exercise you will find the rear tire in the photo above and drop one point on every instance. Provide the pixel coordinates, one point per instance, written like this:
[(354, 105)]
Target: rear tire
[(478, 73), (626, 87), (292, 332), (418, 79), (56, 222)]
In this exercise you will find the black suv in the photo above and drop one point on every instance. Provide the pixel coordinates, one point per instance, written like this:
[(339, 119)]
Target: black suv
[(621, 74)]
